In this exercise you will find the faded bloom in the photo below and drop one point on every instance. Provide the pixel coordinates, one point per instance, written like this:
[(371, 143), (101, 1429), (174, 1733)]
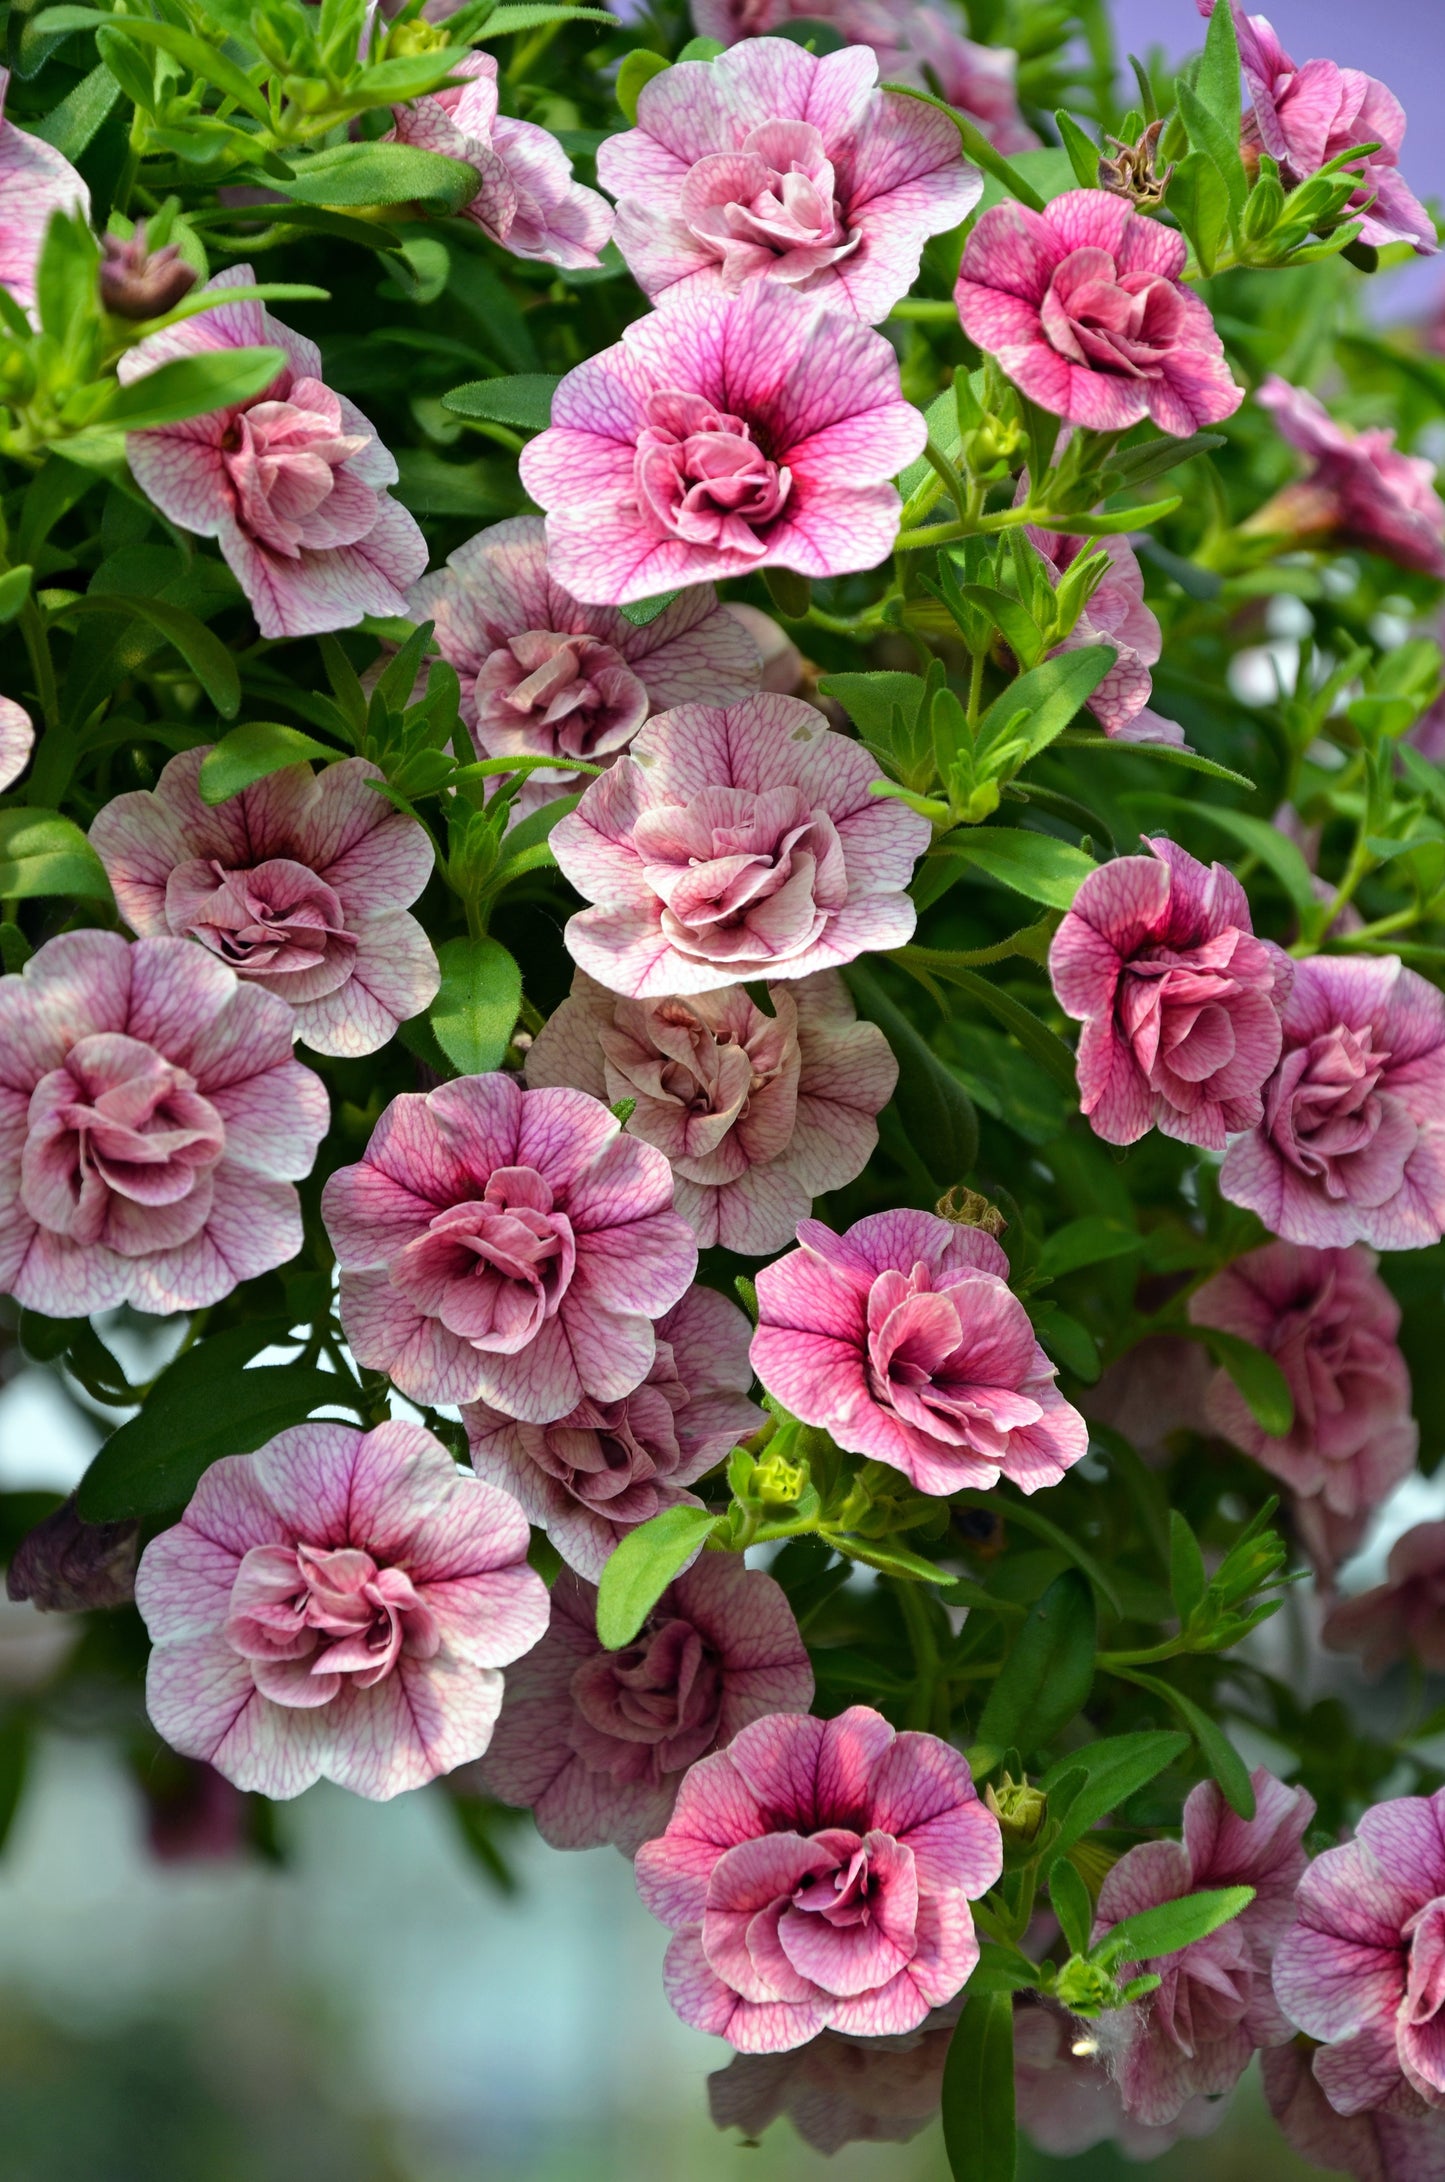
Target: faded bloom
[(35, 181), (719, 437), (526, 198), (1376, 2146), (1114, 614), (816, 1876), (543, 676), (336, 1607), (17, 735), (736, 842), (758, 1113), (299, 883), (154, 1124), (68, 1566), (291, 483), (839, 2090), (770, 163), (1197, 2032), (506, 1246), (1403, 1615), (606, 1466), (1350, 1146), (1067, 2102), (1332, 1326), (1084, 308), (138, 282), (1179, 1001), (598, 1742), (1361, 492), (902, 1339)]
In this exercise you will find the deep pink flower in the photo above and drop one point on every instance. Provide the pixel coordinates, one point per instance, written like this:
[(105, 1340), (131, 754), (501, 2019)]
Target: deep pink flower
[(606, 1466), (721, 436), (291, 483), (597, 1742), (736, 842), (526, 198), (817, 1875), (901, 1339), (35, 181), (1179, 1001), (1373, 2147), (1067, 2102), (838, 2090), (1115, 614), (543, 676), (1350, 1146), (758, 1113), (17, 735), (1404, 1615), (1332, 1326), (1196, 2033), (1362, 1969), (1361, 492), (771, 163), (300, 883), (506, 1246), (152, 1124), (336, 1607), (1305, 117), (1084, 308)]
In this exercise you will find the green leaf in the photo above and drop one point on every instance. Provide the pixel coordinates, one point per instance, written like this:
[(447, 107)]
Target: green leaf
[(1217, 86), (523, 401), (70, 126), (1049, 1671), (1036, 865), (1082, 150), (380, 174), (476, 1008), (1050, 693), (1188, 1581), (1200, 202), (206, 656), (869, 699), (1257, 1376), (1072, 1905), (43, 853), (640, 1568), (1140, 465), (1026, 1517), (1218, 1752), (1274, 849), (14, 590), (1115, 1768), (201, 56), (252, 752), (1091, 1240), (638, 68), (935, 1110), (641, 612), (1173, 1925), (533, 14), (1038, 1041), (1206, 135), (979, 2131), (1167, 753), (1067, 1342)]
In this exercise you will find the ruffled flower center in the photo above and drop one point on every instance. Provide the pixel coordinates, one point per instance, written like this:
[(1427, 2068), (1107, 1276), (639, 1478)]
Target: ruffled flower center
[(287, 466), (743, 876), (704, 1071), (649, 1710), (495, 1268), (277, 918), (611, 1455), (1121, 323), (312, 1618), (547, 695), (1329, 1116), (701, 476), (953, 1372), (770, 207)]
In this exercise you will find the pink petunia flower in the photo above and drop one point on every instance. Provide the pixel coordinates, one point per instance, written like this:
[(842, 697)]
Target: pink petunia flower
[(1196, 2033), (724, 435), (152, 1124), (597, 1742), (526, 198), (1350, 1146), (1084, 308), (736, 842), (1405, 1615), (758, 1113), (17, 735), (506, 1246), (1179, 1001), (771, 163), (292, 483), (816, 1875), (1332, 1326), (1361, 492), (902, 1340), (1115, 614), (1376, 2146), (593, 1475), (543, 676), (36, 181), (336, 1607), (1305, 117), (300, 883), (1360, 1970)]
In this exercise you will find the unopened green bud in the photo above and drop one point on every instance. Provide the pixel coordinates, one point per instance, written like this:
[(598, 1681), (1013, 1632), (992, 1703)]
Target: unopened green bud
[(1263, 211), (414, 37), (1084, 1987), (1019, 1807), (777, 1481)]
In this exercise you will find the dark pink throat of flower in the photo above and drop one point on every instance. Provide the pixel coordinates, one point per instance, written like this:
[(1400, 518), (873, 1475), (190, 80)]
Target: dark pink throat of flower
[(651, 1709), (925, 1362), (495, 1268), (310, 1619), (278, 917), (701, 476), (1105, 320), (1328, 1108)]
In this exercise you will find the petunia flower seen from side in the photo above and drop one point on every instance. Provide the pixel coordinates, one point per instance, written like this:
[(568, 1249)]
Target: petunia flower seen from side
[(1361, 491), (36, 181)]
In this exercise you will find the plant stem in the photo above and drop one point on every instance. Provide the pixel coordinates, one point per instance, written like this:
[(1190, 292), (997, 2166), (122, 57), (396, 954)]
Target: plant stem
[(42, 666)]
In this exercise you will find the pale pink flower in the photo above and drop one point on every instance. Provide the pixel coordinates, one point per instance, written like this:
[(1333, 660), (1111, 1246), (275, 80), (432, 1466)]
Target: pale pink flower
[(771, 163), (1114, 614), (1404, 1615), (1351, 1146), (526, 198), (783, 670), (17, 735), (35, 182), (588, 1479), (1084, 308), (1361, 492), (291, 483), (724, 435), (736, 842), (1332, 1326), (1196, 2033), (816, 1876), (1377, 2146), (901, 1339), (152, 1125), (758, 1113), (1067, 2102), (300, 883), (838, 2090), (1306, 116), (1179, 1001), (597, 1742), (543, 676), (336, 1607), (507, 1246)]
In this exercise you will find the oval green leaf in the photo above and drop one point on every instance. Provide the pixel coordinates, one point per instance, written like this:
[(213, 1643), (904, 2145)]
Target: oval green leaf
[(250, 753), (477, 1005), (641, 1568)]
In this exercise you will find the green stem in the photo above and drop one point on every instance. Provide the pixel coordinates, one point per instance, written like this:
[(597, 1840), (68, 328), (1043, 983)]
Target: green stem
[(953, 484), (924, 1647), (42, 666), (923, 310)]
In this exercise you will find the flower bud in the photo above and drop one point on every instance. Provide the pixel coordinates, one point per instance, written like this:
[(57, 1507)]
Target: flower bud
[(1084, 1987), (136, 282), (778, 1481), (66, 1565), (1019, 1807)]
